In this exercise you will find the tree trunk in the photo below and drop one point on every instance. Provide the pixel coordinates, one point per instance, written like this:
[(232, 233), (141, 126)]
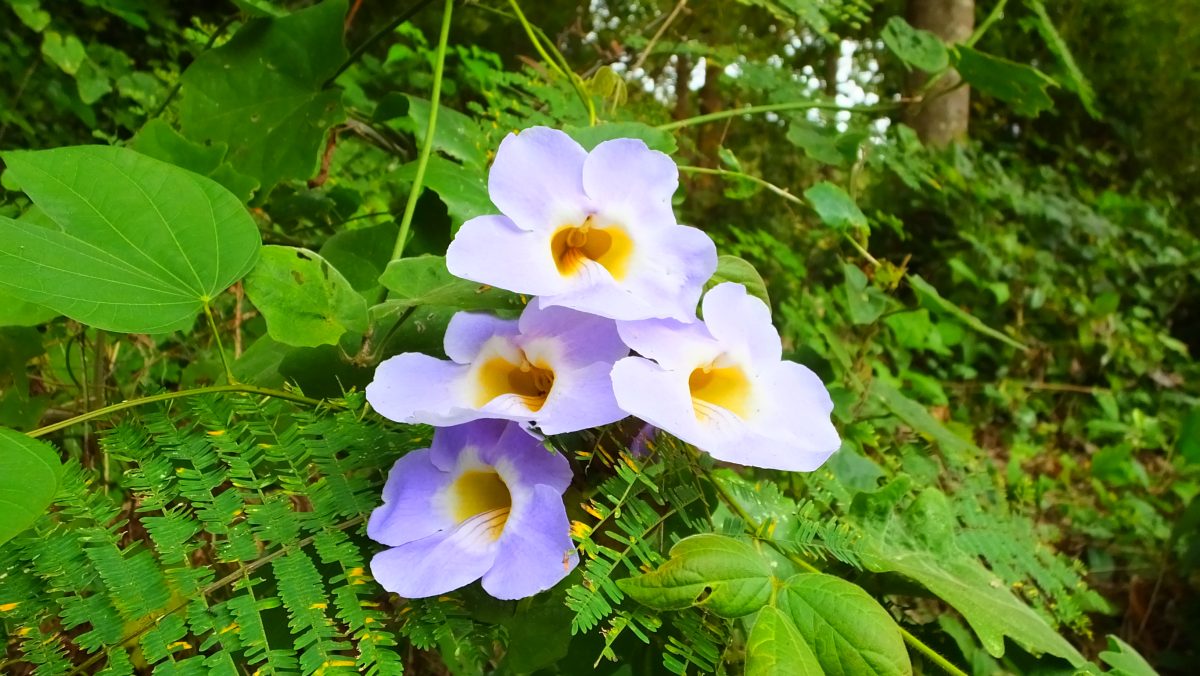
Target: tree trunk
[(941, 118)]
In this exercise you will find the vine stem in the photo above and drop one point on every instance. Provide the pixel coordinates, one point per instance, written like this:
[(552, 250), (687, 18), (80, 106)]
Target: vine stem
[(410, 207), (755, 527), (375, 37), (168, 396), (212, 324), (772, 108)]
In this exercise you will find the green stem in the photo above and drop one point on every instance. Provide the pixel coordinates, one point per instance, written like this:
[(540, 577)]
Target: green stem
[(559, 64), (168, 396), (376, 37), (931, 654), (992, 17), (410, 207), (755, 527), (537, 44), (212, 323), (772, 108)]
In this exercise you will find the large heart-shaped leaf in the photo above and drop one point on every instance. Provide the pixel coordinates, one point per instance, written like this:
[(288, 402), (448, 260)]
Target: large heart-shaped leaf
[(29, 472), (140, 245), (263, 94), (776, 648)]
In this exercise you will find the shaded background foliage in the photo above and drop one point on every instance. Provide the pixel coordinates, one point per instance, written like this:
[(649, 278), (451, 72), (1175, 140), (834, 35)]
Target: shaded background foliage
[(1017, 344)]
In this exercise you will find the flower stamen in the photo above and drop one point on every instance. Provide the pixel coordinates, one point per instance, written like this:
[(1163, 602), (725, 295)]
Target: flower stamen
[(573, 246)]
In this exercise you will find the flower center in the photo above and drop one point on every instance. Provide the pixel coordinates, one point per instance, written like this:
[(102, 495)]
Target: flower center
[(482, 493), (573, 246), (726, 387), (532, 383)]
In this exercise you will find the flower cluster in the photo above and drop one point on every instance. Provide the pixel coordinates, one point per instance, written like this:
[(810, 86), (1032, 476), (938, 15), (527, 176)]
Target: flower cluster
[(593, 237)]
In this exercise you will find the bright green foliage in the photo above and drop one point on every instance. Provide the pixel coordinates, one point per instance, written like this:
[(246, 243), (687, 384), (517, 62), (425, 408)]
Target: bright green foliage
[(29, 473), (263, 93), (716, 572), (1021, 86), (850, 633), (915, 47), (141, 246), (304, 299), (776, 648), (275, 499), (424, 280), (834, 206), (738, 271)]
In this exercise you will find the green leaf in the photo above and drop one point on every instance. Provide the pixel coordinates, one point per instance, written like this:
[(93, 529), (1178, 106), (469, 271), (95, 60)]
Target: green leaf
[(29, 474), (919, 542), (1188, 442), (160, 141), (656, 139), (865, 302), (929, 293), (1124, 660), (464, 191), (362, 255), (1076, 80), (915, 47), (262, 93), (1022, 86), (835, 207), (825, 145), (850, 633), (726, 576), (142, 245), (775, 648), (738, 270), (304, 299), (31, 14), (16, 312), (424, 280), (456, 134), (66, 53)]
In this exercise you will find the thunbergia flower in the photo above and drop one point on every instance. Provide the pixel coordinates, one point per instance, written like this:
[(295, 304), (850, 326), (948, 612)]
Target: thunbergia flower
[(590, 231), (483, 501), (550, 367), (722, 386)]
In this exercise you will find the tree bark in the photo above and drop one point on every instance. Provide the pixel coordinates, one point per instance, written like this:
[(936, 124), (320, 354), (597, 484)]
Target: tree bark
[(942, 117)]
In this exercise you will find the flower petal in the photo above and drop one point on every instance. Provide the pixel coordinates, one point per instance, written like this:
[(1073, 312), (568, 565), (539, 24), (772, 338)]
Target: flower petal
[(657, 396), (673, 344), (664, 278), (537, 179), (535, 552), (580, 399), (449, 443), (492, 250), (614, 166), (523, 462), (468, 331), (580, 338), (439, 563), (742, 324), (417, 388), (798, 410), (407, 512)]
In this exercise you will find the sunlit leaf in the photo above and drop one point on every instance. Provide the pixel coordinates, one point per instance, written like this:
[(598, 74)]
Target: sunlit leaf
[(740, 271), (915, 47), (776, 648), (29, 474), (304, 299), (1015, 83), (140, 247), (726, 576), (835, 207)]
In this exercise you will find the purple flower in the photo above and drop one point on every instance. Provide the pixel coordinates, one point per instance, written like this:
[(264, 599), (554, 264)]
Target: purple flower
[(590, 231), (551, 367), (483, 501), (721, 386)]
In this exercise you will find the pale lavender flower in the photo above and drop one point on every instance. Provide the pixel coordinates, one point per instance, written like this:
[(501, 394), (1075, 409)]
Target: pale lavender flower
[(483, 501), (590, 231), (550, 368), (722, 386)]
